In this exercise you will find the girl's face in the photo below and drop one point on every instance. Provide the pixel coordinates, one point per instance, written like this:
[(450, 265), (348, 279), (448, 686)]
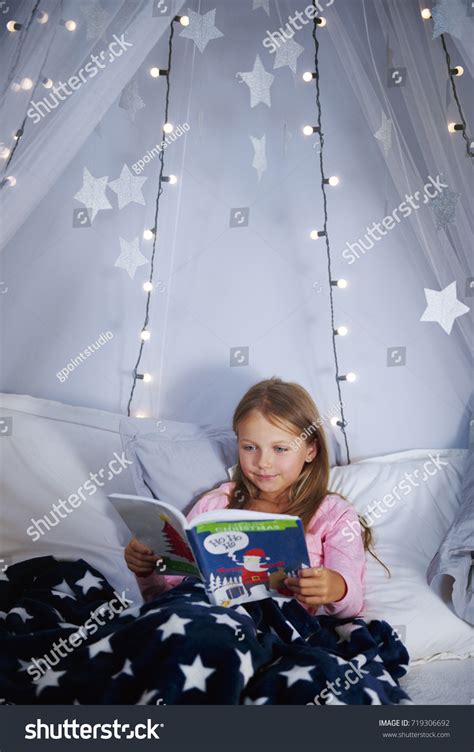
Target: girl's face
[(270, 456)]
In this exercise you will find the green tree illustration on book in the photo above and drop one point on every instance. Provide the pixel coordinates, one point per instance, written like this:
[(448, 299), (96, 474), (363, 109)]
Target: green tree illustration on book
[(175, 542)]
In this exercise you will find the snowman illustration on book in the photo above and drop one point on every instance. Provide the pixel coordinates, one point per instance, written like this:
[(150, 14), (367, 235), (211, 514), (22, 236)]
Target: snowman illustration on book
[(254, 573)]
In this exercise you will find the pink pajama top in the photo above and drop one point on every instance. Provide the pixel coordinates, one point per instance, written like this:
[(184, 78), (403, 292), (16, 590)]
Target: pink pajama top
[(330, 541)]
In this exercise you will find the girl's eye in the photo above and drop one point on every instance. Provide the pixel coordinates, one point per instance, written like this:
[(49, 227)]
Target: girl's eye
[(283, 449), (247, 447)]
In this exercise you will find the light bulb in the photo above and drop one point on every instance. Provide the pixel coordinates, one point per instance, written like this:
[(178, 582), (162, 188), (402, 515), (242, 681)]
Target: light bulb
[(453, 127), (140, 415), (426, 14), (308, 130), (154, 72), (351, 377), (10, 180), (342, 331), (26, 84), (145, 335), (147, 378), (183, 20), (14, 26), (148, 234), (147, 286), (4, 152), (457, 71), (316, 234), (42, 17), (341, 283), (70, 25), (321, 21), (168, 127), (170, 179), (308, 76), (18, 134), (333, 180), (47, 83)]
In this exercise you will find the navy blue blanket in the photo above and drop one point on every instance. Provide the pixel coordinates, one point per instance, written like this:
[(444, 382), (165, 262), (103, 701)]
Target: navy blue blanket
[(67, 638)]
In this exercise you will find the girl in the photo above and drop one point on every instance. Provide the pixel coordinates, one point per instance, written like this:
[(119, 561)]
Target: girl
[(283, 467)]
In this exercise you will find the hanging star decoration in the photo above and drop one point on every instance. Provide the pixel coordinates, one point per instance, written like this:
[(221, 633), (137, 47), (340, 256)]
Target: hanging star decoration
[(130, 257), (92, 193), (96, 19), (288, 54), (384, 133), (264, 4), (444, 207), (259, 82), (128, 188), (259, 157), (201, 28), (131, 101), (449, 17), (443, 307)]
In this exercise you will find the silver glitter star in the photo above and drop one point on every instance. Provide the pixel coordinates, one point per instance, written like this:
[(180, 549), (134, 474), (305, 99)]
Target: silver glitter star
[(128, 188), (92, 193), (130, 257), (449, 17), (201, 28), (96, 19), (259, 82), (384, 133), (259, 158), (443, 307), (265, 4), (288, 54), (130, 100), (444, 207)]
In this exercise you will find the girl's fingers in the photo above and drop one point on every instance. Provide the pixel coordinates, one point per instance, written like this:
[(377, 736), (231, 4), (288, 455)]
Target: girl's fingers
[(139, 547)]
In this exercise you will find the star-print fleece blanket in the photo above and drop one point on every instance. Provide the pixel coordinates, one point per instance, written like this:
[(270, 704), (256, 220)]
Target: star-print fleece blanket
[(66, 637)]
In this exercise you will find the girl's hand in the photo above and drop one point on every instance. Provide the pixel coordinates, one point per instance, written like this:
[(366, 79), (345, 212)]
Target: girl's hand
[(140, 559), (317, 586)]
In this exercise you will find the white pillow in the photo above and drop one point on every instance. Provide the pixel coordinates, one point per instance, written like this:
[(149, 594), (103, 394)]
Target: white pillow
[(407, 534), (48, 456)]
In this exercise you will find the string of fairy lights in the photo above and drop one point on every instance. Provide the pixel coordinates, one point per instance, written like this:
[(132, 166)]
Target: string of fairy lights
[(70, 25), (454, 72), (332, 181), (151, 233)]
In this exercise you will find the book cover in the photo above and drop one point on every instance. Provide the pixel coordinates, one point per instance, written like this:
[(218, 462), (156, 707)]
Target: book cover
[(240, 555), (246, 560)]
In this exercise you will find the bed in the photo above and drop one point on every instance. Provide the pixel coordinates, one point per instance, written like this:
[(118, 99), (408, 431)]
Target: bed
[(51, 451)]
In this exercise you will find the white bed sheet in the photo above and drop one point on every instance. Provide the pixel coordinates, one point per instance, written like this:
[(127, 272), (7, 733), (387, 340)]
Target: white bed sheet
[(442, 682)]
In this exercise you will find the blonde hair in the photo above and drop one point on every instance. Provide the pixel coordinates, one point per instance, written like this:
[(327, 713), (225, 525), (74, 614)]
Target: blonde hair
[(289, 406)]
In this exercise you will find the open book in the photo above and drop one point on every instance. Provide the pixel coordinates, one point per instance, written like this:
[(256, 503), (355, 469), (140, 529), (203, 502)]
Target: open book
[(239, 555)]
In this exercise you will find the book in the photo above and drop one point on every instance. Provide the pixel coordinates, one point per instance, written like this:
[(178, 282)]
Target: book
[(239, 555)]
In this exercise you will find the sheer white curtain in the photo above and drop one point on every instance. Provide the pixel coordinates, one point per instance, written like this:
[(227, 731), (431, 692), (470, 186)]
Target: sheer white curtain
[(49, 51), (423, 107)]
